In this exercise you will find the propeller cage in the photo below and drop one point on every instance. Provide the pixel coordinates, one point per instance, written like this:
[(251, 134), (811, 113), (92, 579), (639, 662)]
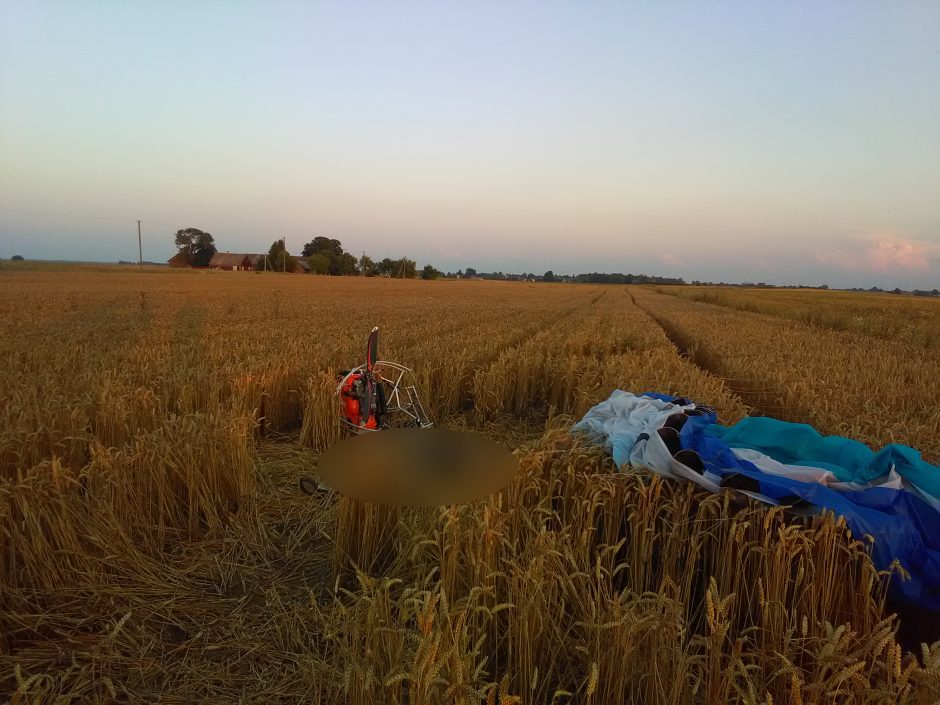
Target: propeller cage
[(403, 407)]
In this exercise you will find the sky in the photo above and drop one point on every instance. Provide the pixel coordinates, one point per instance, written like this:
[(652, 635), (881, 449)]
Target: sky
[(793, 142)]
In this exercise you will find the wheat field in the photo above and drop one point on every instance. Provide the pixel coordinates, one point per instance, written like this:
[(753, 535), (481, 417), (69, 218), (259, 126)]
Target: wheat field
[(154, 545), (881, 315)]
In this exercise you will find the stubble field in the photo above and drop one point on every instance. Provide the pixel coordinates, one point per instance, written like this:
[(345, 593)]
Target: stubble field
[(154, 546)]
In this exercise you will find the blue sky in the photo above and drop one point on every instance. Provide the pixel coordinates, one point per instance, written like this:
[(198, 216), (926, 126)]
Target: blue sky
[(780, 142)]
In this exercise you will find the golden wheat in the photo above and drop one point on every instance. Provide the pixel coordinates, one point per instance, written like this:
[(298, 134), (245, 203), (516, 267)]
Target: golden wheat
[(153, 544)]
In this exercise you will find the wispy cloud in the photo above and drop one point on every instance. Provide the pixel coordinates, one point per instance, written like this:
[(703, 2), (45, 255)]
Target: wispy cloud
[(883, 252), (670, 259), (448, 253)]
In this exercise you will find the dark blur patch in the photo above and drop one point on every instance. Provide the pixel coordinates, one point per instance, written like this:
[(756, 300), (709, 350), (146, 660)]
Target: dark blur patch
[(417, 467)]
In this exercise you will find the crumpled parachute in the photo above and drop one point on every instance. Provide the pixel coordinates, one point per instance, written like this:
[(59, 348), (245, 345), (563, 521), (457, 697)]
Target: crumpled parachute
[(892, 495)]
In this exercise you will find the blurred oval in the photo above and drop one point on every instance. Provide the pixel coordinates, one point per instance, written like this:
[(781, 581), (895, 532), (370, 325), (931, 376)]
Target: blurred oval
[(417, 467)]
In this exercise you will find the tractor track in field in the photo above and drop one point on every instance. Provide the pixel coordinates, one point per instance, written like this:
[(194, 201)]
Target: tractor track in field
[(756, 394)]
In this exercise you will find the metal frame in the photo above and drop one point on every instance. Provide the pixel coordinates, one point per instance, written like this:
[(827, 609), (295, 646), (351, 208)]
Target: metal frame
[(402, 402)]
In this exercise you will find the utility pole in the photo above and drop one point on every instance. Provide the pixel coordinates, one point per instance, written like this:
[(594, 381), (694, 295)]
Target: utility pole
[(140, 247)]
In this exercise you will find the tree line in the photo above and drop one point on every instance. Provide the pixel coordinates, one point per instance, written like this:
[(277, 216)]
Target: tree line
[(550, 276), (326, 255), (323, 255)]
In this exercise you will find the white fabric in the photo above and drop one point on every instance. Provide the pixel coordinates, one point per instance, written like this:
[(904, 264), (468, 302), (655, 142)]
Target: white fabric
[(623, 417), (653, 454), (803, 473), (892, 481)]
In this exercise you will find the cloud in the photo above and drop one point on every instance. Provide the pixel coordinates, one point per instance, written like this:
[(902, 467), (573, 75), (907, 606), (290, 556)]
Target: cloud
[(670, 259), (448, 253), (883, 253)]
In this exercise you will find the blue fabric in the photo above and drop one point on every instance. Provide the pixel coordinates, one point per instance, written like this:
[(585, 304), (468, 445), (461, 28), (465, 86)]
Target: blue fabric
[(904, 527), (848, 460)]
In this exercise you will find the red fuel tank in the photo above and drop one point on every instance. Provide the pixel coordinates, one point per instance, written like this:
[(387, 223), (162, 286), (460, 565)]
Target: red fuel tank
[(351, 402)]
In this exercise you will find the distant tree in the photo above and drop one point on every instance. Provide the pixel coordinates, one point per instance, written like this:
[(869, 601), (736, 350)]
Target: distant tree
[(367, 266), (341, 262), (344, 265), (198, 246), (549, 276), (471, 272), (319, 264), (429, 272), (320, 245), (405, 268), (278, 260), (17, 258)]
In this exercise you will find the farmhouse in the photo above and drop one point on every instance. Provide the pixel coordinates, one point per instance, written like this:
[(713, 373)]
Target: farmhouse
[(234, 261), (237, 262), (180, 259)]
